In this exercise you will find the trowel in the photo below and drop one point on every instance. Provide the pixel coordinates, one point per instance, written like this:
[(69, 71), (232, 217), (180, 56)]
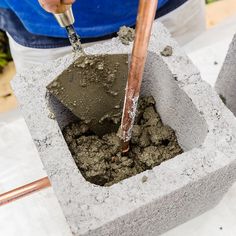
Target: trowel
[(93, 87)]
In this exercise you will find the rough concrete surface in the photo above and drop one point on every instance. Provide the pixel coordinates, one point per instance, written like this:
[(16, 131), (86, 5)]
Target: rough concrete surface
[(226, 81), (169, 194)]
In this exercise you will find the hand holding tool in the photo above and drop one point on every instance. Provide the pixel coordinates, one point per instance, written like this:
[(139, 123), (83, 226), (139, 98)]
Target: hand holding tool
[(62, 11)]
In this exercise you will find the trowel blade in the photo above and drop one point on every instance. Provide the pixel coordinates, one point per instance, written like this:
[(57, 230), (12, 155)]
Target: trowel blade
[(93, 88)]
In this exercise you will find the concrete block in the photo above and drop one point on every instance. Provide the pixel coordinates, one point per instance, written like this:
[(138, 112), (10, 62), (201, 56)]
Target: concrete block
[(177, 190), (226, 81)]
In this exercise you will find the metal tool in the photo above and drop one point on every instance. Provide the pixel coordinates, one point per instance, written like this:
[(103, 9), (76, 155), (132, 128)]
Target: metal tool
[(93, 87), (65, 19)]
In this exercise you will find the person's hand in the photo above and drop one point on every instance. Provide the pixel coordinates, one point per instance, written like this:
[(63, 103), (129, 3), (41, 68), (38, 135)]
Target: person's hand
[(55, 6)]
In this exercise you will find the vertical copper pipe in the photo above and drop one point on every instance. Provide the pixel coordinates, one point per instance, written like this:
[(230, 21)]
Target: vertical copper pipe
[(146, 14), (24, 190)]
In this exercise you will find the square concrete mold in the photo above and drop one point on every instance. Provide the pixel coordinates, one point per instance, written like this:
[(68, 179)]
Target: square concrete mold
[(177, 190)]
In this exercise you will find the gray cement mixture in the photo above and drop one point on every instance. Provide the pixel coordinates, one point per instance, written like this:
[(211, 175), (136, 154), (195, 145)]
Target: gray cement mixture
[(167, 52), (100, 159), (93, 88), (126, 35)]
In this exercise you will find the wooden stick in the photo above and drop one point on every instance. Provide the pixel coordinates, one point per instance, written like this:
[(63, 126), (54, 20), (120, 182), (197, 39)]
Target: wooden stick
[(146, 14)]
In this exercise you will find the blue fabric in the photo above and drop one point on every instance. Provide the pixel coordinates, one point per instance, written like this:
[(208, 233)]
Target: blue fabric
[(93, 18), (3, 4), (15, 26)]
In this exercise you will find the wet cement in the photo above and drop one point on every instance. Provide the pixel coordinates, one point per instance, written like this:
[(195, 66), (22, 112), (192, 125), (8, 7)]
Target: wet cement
[(93, 88), (167, 51), (126, 35), (99, 158)]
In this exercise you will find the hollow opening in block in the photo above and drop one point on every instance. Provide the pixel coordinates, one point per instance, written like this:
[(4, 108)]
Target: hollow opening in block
[(167, 124)]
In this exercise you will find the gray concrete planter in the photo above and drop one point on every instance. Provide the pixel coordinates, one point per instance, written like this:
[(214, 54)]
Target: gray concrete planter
[(226, 81), (177, 190)]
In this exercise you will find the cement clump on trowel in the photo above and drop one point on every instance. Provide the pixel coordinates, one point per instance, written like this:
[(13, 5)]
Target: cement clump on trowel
[(93, 88), (169, 194)]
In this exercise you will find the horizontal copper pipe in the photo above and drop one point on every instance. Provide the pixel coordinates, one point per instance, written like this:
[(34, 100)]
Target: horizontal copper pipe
[(24, 190)]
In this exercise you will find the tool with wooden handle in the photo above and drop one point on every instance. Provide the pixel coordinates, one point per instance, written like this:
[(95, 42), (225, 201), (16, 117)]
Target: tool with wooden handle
[(65, 18), (146, 14)]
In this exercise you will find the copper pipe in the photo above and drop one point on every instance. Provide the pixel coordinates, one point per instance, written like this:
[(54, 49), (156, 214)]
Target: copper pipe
[(146, 13), (24, 190)]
